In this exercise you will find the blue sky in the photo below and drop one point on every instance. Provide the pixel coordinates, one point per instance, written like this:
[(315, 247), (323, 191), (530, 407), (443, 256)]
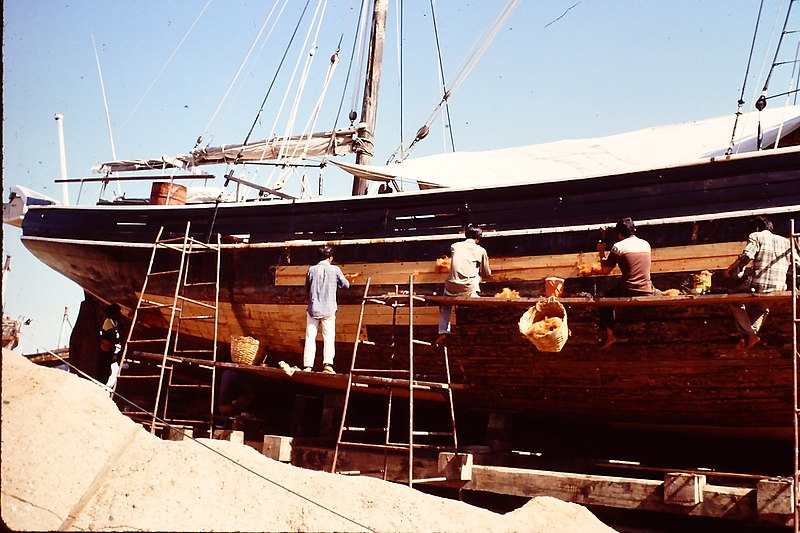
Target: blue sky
[(604, 67)]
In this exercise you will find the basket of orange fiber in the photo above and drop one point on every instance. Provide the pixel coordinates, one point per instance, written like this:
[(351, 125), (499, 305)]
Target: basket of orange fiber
[(545, 325)]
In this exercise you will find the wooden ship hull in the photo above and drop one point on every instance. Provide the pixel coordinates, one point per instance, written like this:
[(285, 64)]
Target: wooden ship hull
[(677, 367)]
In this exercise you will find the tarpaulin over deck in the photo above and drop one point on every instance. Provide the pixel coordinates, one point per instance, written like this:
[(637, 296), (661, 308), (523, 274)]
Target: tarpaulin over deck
[(645, 149)]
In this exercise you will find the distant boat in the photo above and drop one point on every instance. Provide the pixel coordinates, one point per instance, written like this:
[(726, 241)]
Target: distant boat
[(689, 189), (11, 329)]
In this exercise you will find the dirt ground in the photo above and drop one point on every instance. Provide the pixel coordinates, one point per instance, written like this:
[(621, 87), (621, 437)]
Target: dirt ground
[(71, 461)]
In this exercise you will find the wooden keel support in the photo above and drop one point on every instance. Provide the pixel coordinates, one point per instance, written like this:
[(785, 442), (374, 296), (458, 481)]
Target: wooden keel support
[(684, 489), (278, 447), (774, 497), (455, 466)]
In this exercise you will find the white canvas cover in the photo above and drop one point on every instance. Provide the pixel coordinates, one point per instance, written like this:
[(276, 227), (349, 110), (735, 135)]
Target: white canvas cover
[(645, 149)]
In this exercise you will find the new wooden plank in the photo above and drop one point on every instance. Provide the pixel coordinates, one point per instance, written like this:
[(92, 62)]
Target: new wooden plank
[(671, 259)]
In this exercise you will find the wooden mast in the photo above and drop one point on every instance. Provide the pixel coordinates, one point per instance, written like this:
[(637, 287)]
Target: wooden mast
[(369, 107)]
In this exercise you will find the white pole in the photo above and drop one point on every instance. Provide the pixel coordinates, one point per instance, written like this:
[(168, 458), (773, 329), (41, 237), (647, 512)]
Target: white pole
[(63, 158)]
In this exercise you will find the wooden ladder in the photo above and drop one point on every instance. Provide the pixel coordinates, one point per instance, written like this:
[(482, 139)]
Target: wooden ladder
[(391, 382), (176, 264), (793, 239)]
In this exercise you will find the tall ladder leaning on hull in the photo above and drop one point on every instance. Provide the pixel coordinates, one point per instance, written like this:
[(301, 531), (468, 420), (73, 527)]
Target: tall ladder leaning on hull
[(366, 382), (173, 257), (793, 238)]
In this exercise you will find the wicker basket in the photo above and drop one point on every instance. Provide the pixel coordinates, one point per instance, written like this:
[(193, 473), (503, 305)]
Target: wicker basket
[(553, 340), (244, 350)]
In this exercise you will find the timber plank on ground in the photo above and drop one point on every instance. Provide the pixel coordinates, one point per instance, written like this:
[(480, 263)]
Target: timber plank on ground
[(765, 503)]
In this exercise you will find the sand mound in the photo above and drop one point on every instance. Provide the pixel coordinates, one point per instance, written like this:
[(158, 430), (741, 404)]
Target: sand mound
[(71, 461)]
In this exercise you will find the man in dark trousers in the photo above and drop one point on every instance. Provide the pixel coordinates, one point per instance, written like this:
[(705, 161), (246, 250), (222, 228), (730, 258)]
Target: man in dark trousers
[(109, 349), (633, 255)]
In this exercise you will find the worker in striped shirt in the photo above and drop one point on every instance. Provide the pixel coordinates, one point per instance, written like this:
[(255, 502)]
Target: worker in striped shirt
[(771, 255)]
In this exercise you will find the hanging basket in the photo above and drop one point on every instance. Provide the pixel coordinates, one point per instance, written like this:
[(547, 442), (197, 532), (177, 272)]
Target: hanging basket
[(244, 350), (545, 325)]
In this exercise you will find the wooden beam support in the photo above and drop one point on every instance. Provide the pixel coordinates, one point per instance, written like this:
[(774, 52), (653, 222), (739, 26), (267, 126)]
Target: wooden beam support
[(770, 503), (735, 503), (278, 447), (774, 497), (455, 466), (179, 432), (232, 435), (684, 489)]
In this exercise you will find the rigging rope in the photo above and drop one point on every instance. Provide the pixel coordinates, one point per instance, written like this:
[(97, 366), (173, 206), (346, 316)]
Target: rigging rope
[(253, 63), (740, 103), (399, 31), (319, 12), (761, 103), (166, 64), (769, 47), (797, 80), (277, 71), (761, 100), (366, 14), (474, 56), (356, 47), (241, 66), (321, 7), (777, 50), (441, 74), (108, 115), (311, 125)]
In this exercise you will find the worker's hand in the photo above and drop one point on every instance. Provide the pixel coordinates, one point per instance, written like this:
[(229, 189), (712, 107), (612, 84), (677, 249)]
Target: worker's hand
[(601, 243), (731, 272), (351, 277)]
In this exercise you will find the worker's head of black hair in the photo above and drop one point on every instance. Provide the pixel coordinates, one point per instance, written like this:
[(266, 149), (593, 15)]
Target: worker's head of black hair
[(325, 251), (473, 232), (625, 227), (761, 223), (113, 310)]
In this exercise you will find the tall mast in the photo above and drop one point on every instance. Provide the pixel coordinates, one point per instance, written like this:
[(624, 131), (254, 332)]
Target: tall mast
[(369, 107)]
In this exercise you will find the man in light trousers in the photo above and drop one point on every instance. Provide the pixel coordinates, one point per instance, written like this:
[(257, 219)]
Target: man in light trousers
[(322, 281), (469, 262)]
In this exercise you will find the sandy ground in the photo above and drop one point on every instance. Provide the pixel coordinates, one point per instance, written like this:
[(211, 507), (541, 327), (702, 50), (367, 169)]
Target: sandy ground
[(71, 461)]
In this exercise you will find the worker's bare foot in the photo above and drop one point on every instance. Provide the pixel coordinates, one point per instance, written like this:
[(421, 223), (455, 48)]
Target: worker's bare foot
[(440, 341), (611, 339), (752, 340)]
